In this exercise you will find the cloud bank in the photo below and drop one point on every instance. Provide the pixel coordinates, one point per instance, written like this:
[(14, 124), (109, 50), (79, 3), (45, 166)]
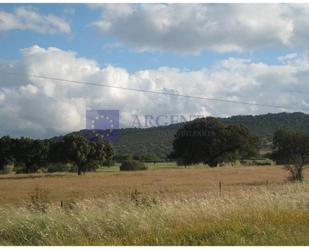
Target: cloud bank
[(192, 28), (43, 108)]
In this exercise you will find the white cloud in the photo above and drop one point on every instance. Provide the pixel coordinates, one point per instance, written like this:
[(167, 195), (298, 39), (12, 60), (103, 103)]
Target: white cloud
[(43, 108), (28, 18), (191, 28)]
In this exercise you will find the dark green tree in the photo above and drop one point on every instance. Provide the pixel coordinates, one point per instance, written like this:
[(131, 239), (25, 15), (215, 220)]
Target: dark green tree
[(31, 153), (56, 152), (76, 150), (291, 148), (209, 141), (96, 156), (131, 165), (6, 153), (109, 154)]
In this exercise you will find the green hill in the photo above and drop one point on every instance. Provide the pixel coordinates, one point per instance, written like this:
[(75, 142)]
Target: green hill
[(157, 142)]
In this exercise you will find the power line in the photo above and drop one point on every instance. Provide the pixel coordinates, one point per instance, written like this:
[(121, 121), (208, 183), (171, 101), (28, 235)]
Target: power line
[(154, 92)]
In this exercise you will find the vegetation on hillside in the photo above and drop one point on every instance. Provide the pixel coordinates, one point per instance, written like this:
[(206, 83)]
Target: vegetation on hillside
[(155, 144), (264, 126), (227, 140), (150, 145)]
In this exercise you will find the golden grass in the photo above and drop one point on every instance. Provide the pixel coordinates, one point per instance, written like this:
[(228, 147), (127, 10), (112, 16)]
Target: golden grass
[(245, 216), (163, 183)]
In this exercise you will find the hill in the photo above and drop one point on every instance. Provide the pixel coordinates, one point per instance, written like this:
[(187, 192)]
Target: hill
[(155, 143)]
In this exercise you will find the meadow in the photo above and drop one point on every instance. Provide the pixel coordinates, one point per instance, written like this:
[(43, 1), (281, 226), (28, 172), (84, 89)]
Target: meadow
[(165, 205)]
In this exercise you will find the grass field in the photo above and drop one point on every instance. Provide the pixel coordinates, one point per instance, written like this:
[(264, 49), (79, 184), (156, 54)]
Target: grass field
[(163, 180), (162, 206)]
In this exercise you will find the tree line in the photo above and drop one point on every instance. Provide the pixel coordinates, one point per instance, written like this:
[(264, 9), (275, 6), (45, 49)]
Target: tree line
[(209, 141), (158, 140), (29, 155), (205, 140)]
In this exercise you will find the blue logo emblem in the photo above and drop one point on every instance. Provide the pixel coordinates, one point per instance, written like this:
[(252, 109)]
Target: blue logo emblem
[(103, 124)]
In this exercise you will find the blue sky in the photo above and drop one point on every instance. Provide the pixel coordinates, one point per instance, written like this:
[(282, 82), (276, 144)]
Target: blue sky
[(88, 42), (237, 52)]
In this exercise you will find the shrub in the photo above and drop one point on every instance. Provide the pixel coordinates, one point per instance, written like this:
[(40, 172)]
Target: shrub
[(130, 165), (93, 165), (73, 168), (108, 163), (20, 169), (7, 169), (59, 167), (264, 163), (42, 170), (179, 162)]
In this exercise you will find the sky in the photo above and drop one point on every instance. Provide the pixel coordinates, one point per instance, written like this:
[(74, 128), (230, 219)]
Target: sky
[(255, 53)]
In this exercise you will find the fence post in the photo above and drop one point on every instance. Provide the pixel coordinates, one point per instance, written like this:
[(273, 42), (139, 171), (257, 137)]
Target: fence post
[(220, 188), (267, 184)]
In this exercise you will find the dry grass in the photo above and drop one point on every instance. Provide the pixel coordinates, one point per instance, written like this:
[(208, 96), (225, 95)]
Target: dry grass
[(247, 216), (164, 183), (156, 207)]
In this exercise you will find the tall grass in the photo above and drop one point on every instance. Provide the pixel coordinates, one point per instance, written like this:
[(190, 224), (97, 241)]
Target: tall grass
[(249, 217)]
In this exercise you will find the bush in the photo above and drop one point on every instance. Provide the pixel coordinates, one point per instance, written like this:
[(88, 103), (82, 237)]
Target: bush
[(130, 165), (59, 167), (20, 169), (73, 168), (7, 169), (265, 162), (108, 163), (42, 170), (93, 165)]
